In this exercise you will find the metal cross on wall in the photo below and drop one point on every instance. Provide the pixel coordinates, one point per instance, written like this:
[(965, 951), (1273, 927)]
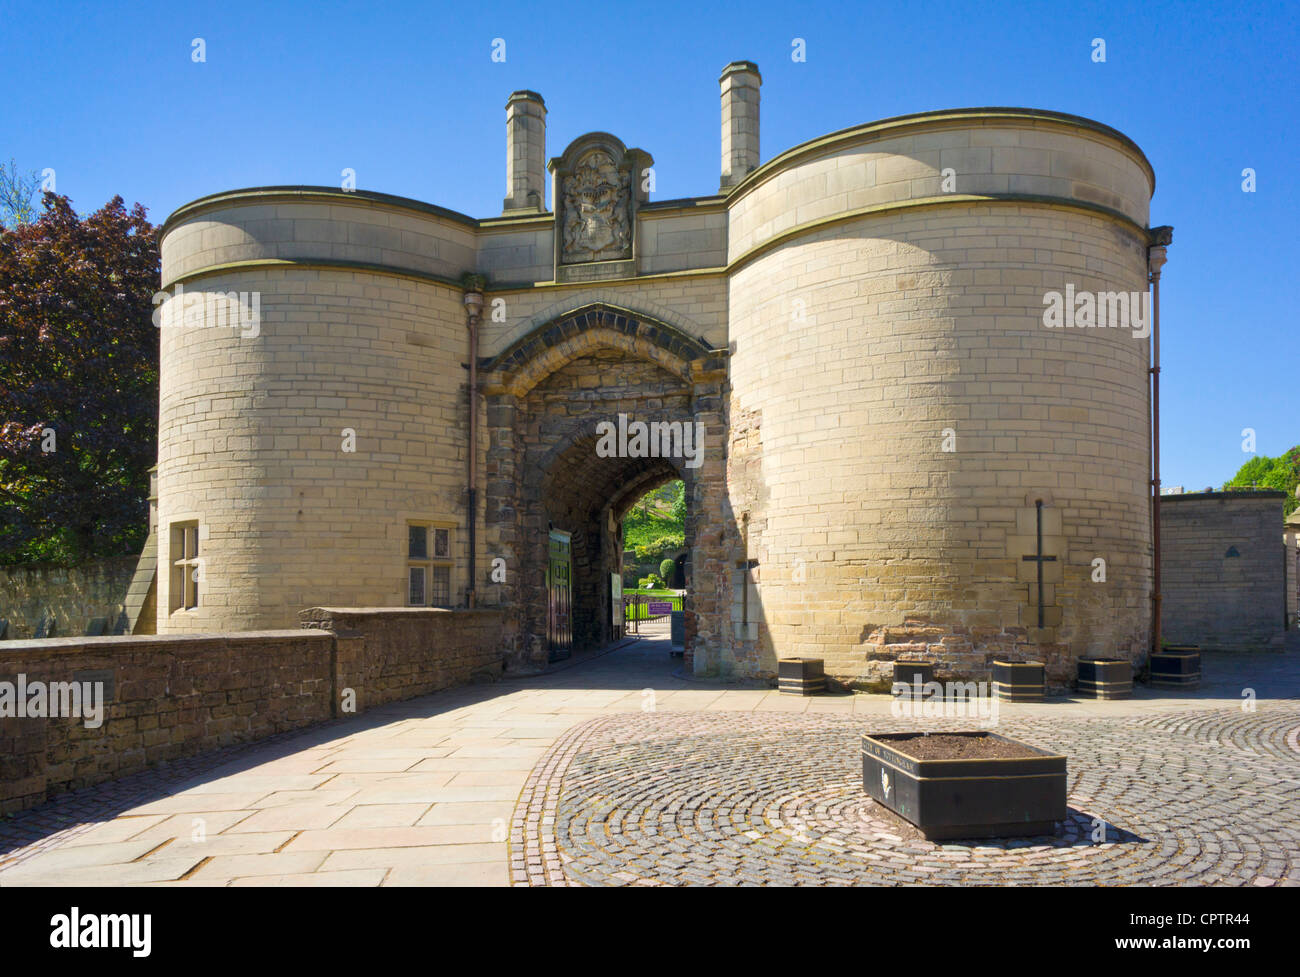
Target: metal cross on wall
[(1040, 559)]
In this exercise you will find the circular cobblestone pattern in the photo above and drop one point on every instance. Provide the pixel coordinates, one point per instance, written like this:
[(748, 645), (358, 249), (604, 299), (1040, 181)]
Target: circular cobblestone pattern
[(1203, 798)]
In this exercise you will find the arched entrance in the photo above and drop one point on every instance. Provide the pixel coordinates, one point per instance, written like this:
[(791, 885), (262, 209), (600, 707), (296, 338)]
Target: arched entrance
[(564, 459)]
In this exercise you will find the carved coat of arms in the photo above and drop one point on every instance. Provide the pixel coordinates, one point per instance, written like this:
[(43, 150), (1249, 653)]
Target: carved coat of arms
[(596, 211)]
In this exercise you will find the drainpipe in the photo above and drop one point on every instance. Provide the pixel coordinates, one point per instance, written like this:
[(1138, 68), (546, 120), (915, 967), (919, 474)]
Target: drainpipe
[(473, 298), (1161, 237)]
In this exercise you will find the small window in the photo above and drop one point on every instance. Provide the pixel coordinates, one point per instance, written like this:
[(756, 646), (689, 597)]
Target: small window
[(416, 581), (187, 568), (428, 576), (441, 595)]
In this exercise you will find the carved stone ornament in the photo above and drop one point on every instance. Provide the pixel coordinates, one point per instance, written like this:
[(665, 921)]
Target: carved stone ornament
[(597, 195), (597, 222)]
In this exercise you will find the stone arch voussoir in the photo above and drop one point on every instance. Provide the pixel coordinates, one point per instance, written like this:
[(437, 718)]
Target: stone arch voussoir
[(581, 331)]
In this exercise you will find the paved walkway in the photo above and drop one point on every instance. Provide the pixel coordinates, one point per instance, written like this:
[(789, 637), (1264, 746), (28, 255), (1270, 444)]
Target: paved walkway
[(616, 770)]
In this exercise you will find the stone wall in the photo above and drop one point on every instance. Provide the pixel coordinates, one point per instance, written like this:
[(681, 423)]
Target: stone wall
[(74, 595), (164, 698), (385, 654), (304, 453), (902, 485), (544, 402), (170, 696), (1222, 569)]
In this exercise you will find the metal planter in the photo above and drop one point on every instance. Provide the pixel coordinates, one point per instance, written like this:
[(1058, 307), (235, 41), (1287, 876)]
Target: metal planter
[(1105, 678), (1175, 667), (966, 798), (801, 676), (1018, 681)]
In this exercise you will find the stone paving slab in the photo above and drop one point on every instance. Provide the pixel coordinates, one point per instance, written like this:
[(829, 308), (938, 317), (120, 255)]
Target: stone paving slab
[(461, 788)]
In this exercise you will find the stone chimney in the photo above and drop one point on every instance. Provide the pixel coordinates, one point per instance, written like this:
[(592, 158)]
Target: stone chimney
[(739, 82), (525, 153)]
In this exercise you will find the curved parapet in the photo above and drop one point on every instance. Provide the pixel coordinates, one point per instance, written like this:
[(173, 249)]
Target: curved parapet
[(941, 158), (316, 226)]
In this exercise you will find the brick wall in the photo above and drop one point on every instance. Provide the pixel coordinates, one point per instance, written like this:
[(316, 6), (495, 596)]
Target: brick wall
[(170, 696), (1222, 602)]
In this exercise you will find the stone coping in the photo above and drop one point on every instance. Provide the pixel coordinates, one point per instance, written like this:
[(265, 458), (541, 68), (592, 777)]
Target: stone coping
[(335, 264), (881, 129), (735, 66), (941, 119), (1244, 494), (111, 642)]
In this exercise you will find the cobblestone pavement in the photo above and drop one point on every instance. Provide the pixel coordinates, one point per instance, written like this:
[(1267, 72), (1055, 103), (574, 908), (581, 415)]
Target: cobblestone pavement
[(1204, 798), (562, 778)]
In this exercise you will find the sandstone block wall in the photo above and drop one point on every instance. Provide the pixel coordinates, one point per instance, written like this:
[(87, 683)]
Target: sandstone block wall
[(74, 595), (304, 452), (1223, 570), (906, 408)]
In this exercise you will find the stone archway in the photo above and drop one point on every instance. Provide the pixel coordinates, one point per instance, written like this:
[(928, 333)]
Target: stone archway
[(546, 399)]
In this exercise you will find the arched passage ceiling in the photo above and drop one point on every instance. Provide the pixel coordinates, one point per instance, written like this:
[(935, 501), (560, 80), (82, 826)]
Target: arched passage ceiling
[(580, 480)]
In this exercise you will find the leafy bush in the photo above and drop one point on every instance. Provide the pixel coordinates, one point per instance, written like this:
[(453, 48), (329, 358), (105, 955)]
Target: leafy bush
[(657, 548), (652, 582), (668, 568)]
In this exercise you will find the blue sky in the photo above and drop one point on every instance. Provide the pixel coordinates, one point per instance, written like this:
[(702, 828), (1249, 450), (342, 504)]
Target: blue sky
[(407, 95)]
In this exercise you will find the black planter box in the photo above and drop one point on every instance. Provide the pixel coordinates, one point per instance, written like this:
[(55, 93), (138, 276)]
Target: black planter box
[(800, 676), (910, 674), (1105, 678), (993, 798), (1018, 681), (1175, 667)]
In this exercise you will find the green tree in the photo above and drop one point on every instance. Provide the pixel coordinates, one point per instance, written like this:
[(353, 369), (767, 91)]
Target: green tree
[(679, 502), (656, 514), (78, 383), (1281, 473)]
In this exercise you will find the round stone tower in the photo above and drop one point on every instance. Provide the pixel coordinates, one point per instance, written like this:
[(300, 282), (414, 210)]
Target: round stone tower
[(311, 411), (918, 427)]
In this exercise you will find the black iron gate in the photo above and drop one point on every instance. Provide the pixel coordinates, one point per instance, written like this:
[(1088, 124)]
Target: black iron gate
[(559, 596)]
